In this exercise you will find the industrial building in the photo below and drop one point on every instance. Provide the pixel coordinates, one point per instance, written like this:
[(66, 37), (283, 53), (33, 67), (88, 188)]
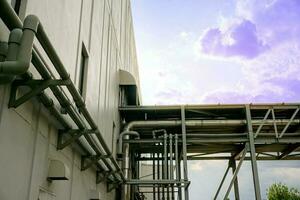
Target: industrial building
[(72, 123)]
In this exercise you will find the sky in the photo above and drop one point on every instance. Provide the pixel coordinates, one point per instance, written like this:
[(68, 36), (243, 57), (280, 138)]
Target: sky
[(220, 51)]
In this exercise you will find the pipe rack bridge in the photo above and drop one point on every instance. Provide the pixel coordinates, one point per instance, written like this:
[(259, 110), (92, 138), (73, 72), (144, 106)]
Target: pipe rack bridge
[(171, 135)]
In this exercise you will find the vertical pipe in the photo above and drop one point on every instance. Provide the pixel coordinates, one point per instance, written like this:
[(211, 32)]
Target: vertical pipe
[(177, 167), (168, 169), (158, 175), (153, 174), (253, 154), (165, 163), (3, 50), (171, 165), (184, 152), (176, 158)]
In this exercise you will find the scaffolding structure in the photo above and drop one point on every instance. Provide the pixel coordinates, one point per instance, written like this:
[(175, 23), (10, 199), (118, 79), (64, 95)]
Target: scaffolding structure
[(169, 136)]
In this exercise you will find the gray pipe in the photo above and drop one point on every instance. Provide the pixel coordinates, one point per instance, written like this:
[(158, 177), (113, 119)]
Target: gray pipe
[(22, 63), (12, 21), (14, 41), (126, 133), (192, 123), (3, 50)]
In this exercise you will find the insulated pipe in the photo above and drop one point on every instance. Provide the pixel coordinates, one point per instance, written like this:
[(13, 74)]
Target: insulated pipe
[(22, 63), (3, 53), (125, 161), (165, 164), (3, 50), (12, 52), (171, 165), (176, 157), (12, 21), (126, 133), (192, 123)]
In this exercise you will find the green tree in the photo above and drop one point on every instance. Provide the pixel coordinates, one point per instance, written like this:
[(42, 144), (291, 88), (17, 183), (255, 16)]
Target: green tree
[(279, 191)]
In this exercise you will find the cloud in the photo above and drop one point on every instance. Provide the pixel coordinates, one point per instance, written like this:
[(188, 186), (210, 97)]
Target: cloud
[(271, 77), (240, 39), (277, 21), (258, 26)]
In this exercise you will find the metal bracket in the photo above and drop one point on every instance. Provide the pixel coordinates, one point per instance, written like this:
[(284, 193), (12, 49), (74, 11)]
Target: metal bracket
[(74, 134), (37, 87), (111, 186), (88, 161)]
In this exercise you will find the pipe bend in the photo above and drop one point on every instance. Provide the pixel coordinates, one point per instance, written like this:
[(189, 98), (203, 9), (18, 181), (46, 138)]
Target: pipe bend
[(14, 67), (31, 22), (15, 36), (126, 132)]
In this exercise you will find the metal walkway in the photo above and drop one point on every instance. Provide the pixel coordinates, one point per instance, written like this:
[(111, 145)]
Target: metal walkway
[(171, 135)]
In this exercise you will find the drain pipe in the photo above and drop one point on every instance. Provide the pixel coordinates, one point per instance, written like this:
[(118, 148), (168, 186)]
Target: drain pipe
[(126, 133), (125, 158)]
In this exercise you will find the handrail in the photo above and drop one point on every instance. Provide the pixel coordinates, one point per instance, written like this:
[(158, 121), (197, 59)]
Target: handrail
[(12, 21)]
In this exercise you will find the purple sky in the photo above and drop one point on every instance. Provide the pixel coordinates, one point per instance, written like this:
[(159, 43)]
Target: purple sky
[(233, 51)]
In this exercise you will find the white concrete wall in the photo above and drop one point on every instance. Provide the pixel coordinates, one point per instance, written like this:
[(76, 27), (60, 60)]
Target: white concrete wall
[(27, 136)]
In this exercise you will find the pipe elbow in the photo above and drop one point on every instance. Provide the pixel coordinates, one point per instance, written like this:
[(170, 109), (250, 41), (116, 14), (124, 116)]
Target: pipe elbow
[(133, 133), (14, 67), (15, 36), (31, 22)]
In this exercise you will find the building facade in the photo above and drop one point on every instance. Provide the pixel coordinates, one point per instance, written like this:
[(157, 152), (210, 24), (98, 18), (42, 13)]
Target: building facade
[(95, 42)]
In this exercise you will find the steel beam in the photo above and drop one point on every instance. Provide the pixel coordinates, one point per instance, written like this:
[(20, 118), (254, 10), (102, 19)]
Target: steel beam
[(235, 174), (290, 149), (184, 152), (232, 164), (222, 182), (252, 153)]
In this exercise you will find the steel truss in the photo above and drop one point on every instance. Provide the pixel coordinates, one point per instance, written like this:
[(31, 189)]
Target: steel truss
[(207, 132)]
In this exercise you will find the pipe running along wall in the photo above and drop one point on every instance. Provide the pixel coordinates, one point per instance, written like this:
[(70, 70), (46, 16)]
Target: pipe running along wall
[(93, 144)]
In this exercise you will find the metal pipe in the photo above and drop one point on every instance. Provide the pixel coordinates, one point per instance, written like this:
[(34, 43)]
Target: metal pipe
[(192, 123), (158, 175), (126, 133), (23, 59), (12, 21), (171, 165), (3, 50), (165, 172), (153, 175), (11, 52), (125, 156)]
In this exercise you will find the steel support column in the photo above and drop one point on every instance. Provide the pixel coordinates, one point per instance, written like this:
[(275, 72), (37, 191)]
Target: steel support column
[(232, 164), (184, 152), (252, 153), (235, 174)]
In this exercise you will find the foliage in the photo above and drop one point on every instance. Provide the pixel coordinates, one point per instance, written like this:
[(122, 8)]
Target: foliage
[(279, 191)]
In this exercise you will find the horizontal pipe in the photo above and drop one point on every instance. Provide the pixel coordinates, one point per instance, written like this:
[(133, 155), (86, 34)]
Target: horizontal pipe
[(193, 123), (12, 21)]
